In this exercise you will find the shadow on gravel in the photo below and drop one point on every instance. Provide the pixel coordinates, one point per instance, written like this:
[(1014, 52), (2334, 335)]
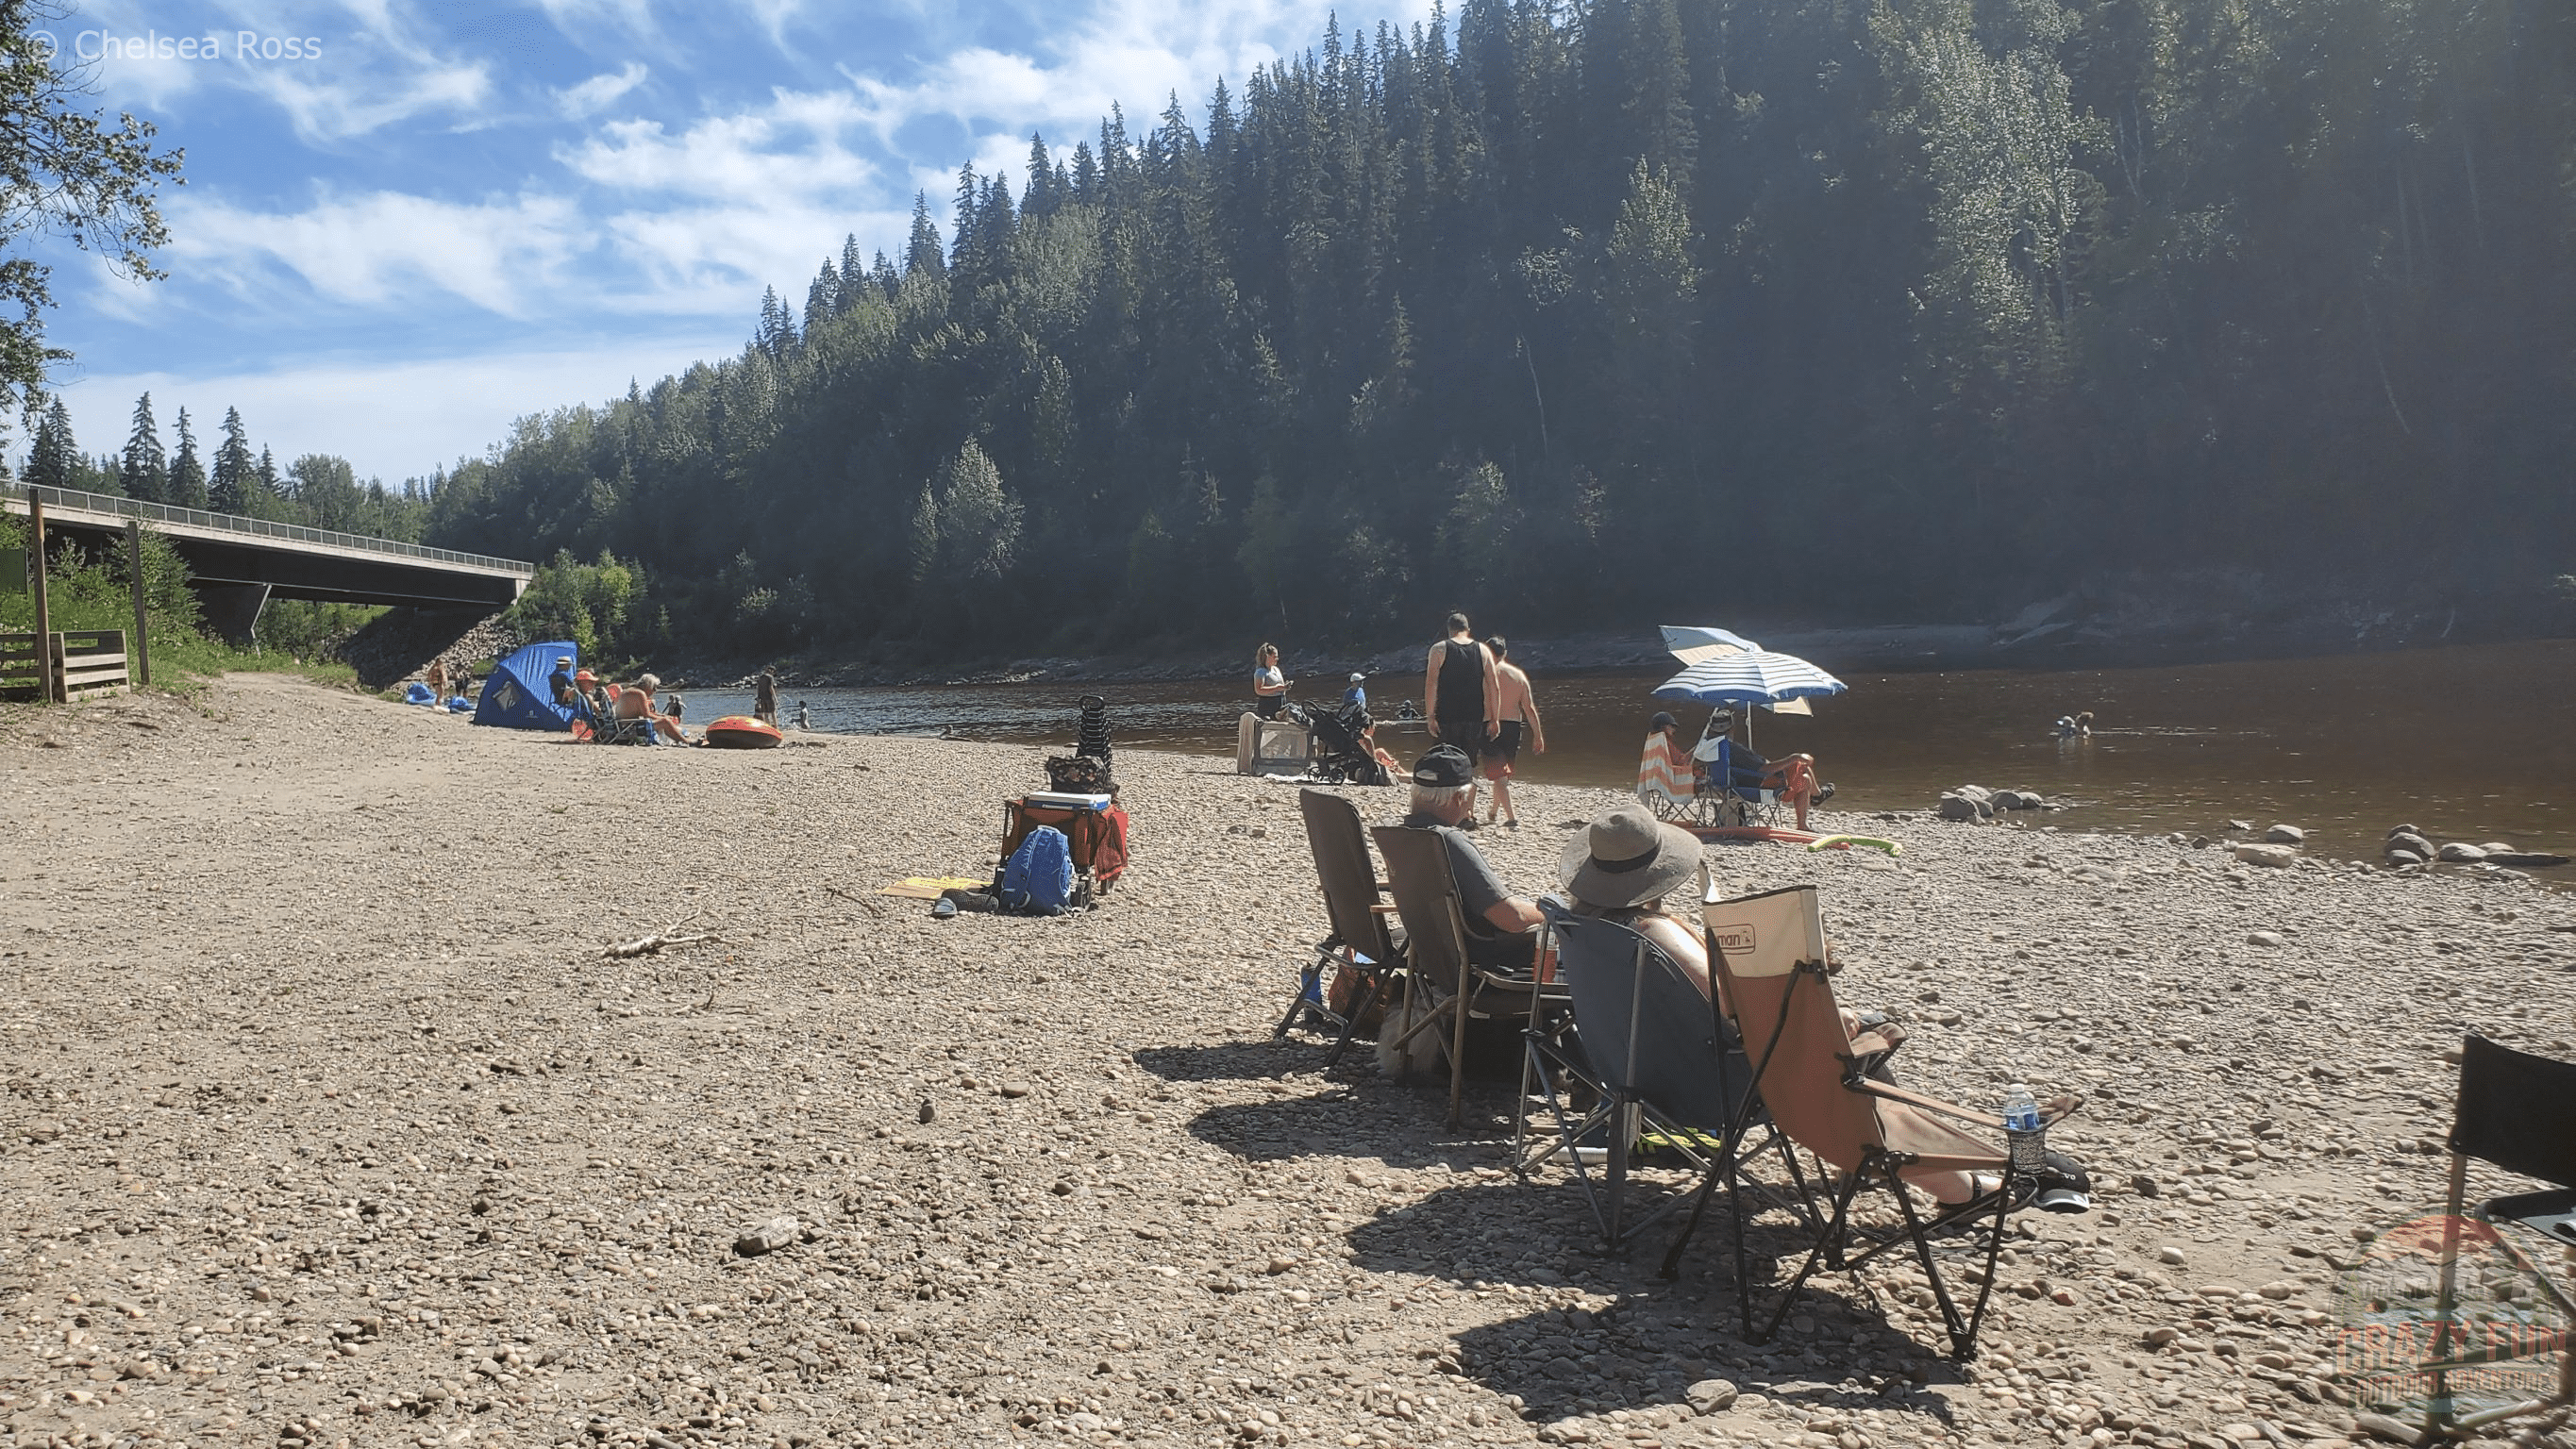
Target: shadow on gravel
[(1363, 1128), (1234, 1061), (1655, 1338)]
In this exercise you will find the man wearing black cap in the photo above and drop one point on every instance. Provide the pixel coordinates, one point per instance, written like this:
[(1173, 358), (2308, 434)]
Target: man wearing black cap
[(1499, 924)]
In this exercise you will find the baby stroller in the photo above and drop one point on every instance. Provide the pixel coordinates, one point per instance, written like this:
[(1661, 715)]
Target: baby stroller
[(1341, 756)]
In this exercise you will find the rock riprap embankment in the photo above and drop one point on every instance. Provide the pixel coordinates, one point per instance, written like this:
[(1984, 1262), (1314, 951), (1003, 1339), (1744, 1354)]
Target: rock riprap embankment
[(327, 1121)]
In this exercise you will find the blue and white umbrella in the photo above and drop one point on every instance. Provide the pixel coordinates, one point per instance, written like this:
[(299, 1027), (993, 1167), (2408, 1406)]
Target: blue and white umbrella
[(1691, 643), (1779, 682), (1763, 676)]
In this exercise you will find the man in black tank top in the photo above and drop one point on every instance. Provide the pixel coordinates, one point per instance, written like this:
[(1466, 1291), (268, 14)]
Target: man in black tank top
[(1458, 692)]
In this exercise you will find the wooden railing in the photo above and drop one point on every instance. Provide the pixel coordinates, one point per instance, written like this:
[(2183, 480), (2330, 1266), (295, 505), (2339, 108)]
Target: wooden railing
[(76, 664)]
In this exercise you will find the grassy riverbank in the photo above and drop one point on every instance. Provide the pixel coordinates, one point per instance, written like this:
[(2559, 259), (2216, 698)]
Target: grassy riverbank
[(328, 1111)]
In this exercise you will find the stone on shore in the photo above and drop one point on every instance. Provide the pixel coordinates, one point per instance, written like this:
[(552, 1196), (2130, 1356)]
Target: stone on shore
[(2279, 857)]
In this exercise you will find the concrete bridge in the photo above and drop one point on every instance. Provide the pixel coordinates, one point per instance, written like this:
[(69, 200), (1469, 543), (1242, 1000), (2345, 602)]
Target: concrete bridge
[(239, 563)]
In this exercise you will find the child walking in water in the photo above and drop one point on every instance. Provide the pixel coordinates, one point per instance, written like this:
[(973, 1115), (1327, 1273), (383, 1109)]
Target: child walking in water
[(1519, 711)]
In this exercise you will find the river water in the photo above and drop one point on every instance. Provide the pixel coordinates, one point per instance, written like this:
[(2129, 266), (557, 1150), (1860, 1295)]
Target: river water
[(2473, 743)]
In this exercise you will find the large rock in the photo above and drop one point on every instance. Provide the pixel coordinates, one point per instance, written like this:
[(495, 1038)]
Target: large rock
[(768, 1237), (2279, 857), (2286, 835), (2460, 852), (2410, 841), (2017, 800), (1955, 806), (2400, 856)]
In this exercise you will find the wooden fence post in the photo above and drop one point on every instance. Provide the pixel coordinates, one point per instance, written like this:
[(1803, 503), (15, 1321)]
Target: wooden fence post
[(142, 638), (36, 581)]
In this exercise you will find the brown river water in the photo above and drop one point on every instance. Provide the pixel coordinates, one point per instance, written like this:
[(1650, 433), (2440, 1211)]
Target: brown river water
[(2474, 743)]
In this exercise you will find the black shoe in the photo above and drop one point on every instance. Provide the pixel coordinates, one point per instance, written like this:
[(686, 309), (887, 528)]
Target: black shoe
[(2061, 1186), (1824, 792)]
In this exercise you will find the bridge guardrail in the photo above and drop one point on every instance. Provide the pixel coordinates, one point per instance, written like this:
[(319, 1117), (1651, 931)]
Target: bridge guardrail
[(262, 528)]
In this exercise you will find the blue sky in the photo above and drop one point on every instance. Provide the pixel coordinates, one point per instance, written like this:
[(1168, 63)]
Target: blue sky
[(456, 214)]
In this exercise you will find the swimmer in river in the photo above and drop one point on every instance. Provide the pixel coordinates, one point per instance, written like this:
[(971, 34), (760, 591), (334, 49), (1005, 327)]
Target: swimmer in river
[(804, 721)]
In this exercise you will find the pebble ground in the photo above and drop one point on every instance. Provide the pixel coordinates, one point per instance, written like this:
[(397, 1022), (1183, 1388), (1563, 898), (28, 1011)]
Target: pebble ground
[(328, 1123)]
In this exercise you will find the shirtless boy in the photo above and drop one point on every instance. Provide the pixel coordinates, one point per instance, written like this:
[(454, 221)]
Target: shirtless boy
[(1519, 711)]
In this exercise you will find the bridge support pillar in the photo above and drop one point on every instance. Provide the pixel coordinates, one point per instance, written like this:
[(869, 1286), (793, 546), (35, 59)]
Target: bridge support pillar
[(231, 610)]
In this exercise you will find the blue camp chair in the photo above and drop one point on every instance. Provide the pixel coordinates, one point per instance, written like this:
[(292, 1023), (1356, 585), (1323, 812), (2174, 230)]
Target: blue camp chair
[(1733, 800), (1642, 1043)]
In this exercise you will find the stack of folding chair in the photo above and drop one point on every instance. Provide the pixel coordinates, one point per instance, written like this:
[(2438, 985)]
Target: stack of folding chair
[(1442, 989), (1824, 1089), (1360, 942), (1642, 1043)]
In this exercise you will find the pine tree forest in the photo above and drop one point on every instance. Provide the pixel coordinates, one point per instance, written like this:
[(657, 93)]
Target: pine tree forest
[(1592, 313)]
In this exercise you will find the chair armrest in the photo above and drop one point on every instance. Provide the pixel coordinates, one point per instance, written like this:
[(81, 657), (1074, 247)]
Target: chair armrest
[(1933, 1105), (1381, 910)]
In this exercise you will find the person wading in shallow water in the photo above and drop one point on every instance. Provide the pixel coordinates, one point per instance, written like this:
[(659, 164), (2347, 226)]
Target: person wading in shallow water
[(1460, 697), (1519, 711), (764, 699)]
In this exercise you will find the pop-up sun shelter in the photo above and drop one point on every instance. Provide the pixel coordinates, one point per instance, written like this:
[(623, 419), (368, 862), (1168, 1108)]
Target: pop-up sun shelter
[(515, 697)]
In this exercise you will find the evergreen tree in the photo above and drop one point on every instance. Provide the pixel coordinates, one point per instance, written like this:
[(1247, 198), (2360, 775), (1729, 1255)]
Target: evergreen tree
[(921, 254), (144, 470), (187, 473), (229, 489), (823, 298), (54, 457)]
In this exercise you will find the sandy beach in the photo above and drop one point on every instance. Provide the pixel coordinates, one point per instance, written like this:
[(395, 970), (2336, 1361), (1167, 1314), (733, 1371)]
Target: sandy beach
[(328, 1123)]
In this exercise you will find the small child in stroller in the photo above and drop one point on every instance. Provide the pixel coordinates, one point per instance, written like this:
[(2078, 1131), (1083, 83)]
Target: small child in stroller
[(1345, 748)]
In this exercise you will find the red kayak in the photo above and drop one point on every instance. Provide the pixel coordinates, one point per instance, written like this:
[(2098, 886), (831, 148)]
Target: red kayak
[(742, 732)]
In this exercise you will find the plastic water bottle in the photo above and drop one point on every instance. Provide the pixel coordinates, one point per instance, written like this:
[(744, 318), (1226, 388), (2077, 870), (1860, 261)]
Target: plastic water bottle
[(2022, 1130)]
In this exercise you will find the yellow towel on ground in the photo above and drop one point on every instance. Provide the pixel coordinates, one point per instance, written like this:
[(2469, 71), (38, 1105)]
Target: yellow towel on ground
[(928, 887)]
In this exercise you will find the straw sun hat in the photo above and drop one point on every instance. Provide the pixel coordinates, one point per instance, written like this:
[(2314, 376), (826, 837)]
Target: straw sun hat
[(1628, 858)]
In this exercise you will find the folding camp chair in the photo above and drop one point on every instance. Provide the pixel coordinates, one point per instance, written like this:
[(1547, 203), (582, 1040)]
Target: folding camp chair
[(2519, 1113), (1641, 1038), (1441, 988), (1722, 800), (1768, 951), (1361, 941)]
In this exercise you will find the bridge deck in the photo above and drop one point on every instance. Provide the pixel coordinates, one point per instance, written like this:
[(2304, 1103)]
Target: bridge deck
[(74, 509)]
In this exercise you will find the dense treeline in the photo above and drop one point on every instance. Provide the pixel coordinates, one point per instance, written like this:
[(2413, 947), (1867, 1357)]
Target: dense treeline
[(1627, 307), (317, 489)]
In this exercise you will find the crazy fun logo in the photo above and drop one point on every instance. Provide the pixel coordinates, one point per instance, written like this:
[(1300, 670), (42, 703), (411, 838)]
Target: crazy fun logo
[(92, 46)]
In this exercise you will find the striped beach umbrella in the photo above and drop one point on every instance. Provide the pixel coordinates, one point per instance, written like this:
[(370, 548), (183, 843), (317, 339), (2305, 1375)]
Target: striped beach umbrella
[(1763, 676)]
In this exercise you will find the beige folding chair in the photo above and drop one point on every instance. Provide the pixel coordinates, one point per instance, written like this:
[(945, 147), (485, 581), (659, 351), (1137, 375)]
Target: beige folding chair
[(1814, 1077), (1441, 989), (1360, 939)]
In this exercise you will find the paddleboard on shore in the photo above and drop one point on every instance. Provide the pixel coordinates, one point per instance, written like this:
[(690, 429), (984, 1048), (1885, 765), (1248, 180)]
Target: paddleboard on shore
[(1777, 835)]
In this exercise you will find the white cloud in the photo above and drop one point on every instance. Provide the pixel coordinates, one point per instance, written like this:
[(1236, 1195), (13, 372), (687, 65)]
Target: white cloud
[(383, 247), (391, 420), (788, 148), (599, 92)]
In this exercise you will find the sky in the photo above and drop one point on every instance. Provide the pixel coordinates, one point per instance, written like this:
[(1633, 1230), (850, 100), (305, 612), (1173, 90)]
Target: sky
[(405, 225)]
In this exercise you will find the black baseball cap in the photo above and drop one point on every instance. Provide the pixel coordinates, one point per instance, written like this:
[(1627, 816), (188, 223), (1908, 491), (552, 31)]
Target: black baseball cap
[(1444, 767)]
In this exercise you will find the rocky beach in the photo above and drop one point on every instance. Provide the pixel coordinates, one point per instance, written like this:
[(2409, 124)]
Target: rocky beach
[(331, 1121)]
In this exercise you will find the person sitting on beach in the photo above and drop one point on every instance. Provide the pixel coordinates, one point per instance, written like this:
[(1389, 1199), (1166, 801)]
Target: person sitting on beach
[(1664, 772), (1794, 776), (1622, 867), (1500, 925), (1269, 685)]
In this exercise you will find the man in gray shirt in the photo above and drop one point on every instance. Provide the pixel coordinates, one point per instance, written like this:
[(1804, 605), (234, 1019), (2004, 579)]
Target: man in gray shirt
[(1501, 927)]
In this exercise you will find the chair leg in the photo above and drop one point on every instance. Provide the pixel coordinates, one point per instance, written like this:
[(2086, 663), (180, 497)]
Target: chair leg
[(1623, 1133), (1963, 1333), (1458, 1059), (1351, 1023), (1832, 1236)]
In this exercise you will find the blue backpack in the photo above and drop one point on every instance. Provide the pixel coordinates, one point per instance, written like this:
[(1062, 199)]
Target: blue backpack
[(1039, 876)]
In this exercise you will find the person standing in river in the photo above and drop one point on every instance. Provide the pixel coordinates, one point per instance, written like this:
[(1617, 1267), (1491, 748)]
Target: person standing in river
[(764, 699), (1460, 696), (1518, 711)]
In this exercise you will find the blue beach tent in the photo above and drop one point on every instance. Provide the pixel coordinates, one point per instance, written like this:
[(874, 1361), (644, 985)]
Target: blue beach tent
[(515, 697)]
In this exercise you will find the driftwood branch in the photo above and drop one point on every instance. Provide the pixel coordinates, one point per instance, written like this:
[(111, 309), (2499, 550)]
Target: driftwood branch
[(648, 945)]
